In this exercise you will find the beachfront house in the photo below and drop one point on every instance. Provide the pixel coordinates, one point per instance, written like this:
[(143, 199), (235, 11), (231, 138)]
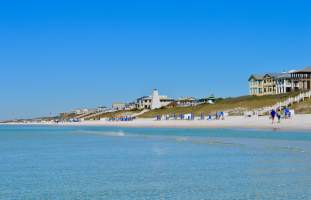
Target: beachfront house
[(143, 103), (256, 84), (301, 79), (101, 109), (280, 83), (147, 102), (269, 84), (283, 83), (118, 106), (276, 83), (130, 106)]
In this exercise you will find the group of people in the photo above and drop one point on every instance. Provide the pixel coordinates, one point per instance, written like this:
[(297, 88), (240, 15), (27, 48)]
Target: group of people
[(220, 115), (278, 114)]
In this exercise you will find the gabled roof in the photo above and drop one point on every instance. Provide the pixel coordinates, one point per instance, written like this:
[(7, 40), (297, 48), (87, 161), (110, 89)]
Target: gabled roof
[(256, 77)]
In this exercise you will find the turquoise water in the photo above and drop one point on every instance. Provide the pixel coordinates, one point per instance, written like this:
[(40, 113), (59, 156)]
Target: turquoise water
[(123, 163)]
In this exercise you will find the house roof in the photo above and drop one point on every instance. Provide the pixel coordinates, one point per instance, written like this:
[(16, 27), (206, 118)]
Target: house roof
[(278, 75), (142, 98), (208, 98), (305, 70), (166, 98), (273, 75), (256, 77), (149, 98), (186, 99)]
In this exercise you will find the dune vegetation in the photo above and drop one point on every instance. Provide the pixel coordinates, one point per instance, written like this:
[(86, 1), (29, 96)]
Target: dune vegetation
[(234, 106)]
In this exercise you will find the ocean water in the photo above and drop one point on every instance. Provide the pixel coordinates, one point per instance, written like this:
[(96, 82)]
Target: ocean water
[(39, 162)]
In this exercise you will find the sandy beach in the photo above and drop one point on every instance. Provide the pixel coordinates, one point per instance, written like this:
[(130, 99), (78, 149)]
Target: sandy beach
[(298, 122)]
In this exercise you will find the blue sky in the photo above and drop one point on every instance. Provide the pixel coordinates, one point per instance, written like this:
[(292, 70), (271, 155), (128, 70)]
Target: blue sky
[(59, 55)]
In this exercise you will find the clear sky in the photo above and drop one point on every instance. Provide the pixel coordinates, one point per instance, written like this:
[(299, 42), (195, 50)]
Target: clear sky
[(57, 55)]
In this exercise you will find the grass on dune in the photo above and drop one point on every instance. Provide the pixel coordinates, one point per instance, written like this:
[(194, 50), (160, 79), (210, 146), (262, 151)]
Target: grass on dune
[(113, 114), (235, 106), (67, 116), (302, 107)]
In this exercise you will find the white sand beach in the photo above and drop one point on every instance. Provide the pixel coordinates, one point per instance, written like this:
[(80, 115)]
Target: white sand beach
[(298, 122)]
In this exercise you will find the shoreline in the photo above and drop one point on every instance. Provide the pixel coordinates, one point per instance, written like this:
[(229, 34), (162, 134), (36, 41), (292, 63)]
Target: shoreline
[(300, 122)]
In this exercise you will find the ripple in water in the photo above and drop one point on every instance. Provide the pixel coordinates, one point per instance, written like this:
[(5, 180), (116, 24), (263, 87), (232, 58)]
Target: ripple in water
[(103, 133)]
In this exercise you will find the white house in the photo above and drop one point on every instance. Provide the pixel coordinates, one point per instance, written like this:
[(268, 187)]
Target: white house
[(147, 102), (283, 83), (118, 106)]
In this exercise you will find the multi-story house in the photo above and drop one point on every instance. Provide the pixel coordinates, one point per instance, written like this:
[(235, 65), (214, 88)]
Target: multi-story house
[(256, 85), (271, 83), (301, 79), (279, 83), (118, 106), (145, 102), (283, 83)]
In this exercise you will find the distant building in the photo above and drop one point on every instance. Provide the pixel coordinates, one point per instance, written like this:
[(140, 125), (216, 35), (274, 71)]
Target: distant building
[(186, 101), (118, 106), (81, 111), (209, 100), (102, 109), (152, 102), (143, 102), (130, 106)]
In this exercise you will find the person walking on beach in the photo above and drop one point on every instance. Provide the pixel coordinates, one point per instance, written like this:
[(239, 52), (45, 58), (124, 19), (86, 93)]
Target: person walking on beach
[(209, 117), (287, 113), (222, 115), (273, 113), (278, 114), (217, 115)]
